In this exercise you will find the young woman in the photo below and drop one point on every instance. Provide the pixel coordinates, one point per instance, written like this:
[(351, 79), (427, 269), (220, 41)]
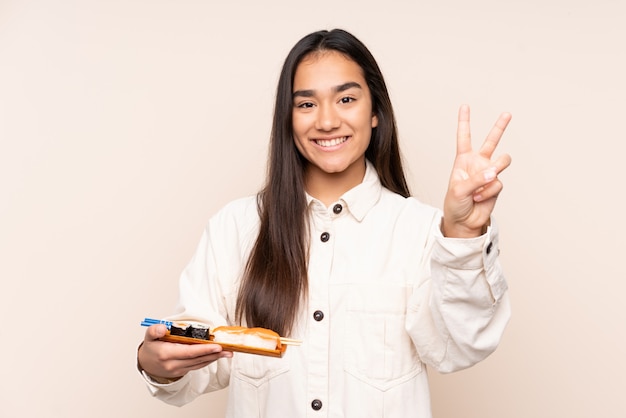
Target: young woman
[(334, 252)]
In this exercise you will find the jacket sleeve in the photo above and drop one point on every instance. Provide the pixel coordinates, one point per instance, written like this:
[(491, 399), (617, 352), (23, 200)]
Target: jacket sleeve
[(459, 307)]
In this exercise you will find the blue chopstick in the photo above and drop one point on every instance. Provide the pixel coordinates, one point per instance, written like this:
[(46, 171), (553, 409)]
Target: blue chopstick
[(149, 321)]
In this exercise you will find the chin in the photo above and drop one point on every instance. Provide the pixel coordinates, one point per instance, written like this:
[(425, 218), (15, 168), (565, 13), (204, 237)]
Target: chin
[(332, 168)]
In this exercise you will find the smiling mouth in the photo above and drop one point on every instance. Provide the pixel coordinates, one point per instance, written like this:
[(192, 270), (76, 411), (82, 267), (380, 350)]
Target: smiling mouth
[(330, 142)]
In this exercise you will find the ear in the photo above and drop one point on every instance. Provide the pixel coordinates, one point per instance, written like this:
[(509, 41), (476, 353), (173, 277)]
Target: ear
[(374, 120)]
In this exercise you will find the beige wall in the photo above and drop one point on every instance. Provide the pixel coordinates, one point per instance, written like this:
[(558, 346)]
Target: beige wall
[(125, 124)]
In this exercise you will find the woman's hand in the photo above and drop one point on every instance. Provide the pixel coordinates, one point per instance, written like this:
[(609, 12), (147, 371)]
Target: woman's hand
[(474, 185), (166, 361)]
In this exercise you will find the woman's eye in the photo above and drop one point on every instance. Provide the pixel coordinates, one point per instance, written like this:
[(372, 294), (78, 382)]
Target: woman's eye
[(305, 105), (347, 99)]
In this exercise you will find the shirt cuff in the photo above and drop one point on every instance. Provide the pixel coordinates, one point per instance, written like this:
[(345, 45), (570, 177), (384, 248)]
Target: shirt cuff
[(473, 254), (464, 253)]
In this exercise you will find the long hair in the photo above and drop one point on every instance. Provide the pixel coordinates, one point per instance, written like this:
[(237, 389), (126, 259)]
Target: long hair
[(275, 281)]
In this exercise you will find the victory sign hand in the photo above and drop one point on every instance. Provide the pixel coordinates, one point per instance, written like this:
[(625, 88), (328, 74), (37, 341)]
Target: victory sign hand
[(474, 185)]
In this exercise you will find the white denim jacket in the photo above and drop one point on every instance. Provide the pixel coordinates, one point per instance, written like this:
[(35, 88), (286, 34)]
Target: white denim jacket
[(388, 294)]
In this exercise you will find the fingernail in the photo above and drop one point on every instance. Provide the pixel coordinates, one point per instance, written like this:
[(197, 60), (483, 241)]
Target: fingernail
[(490, 174)]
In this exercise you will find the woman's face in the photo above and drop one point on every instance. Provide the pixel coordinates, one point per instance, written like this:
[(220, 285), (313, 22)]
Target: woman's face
[(332, 114)]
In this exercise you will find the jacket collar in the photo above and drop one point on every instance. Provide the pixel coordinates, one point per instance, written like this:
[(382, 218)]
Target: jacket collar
[(361, 198)]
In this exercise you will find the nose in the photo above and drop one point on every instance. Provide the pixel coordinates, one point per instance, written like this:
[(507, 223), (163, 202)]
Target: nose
[(327, 118)]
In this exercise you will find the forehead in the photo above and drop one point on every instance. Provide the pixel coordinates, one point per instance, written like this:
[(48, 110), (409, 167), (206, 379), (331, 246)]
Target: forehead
[(326, 69)]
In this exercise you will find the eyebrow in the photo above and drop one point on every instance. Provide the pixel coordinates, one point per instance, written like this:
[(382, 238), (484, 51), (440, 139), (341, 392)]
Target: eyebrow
[(336, 89)]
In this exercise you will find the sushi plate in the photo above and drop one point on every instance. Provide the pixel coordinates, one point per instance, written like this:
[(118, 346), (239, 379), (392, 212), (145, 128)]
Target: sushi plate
[(225, 346)]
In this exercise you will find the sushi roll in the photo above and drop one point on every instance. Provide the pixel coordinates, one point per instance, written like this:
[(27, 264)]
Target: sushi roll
[(182, 329), (199, 331), (249, 337)]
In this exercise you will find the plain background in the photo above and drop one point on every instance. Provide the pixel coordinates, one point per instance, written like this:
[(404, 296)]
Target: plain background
[(124, 125)]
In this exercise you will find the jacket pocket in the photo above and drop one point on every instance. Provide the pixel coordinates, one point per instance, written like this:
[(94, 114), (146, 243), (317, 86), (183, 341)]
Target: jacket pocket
[(256, 369), (379, 351)]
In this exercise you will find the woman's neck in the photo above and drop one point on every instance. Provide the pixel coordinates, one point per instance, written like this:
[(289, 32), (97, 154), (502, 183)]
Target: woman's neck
[(329, 187)]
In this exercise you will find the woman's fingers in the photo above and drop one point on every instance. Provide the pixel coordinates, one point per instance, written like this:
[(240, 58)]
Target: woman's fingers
[(464, 135), (488, 191), (463, 132), (180, 367), (494, 136), (468, 185), (166, 359), (154, 332)]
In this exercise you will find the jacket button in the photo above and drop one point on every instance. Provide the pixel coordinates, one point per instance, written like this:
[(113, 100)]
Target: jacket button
[(325, 236), (318, 315), (489, 247), (316, 405), (337, 209)]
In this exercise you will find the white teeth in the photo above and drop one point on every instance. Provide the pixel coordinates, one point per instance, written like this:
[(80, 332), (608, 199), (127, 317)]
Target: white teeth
[(331, 142)]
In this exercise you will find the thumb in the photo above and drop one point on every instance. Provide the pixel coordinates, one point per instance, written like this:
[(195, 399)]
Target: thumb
[(484, 177), (466, 184), (154, 332)]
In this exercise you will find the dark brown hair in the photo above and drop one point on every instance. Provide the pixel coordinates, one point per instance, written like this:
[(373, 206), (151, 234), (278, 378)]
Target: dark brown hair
[(275, 282)]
